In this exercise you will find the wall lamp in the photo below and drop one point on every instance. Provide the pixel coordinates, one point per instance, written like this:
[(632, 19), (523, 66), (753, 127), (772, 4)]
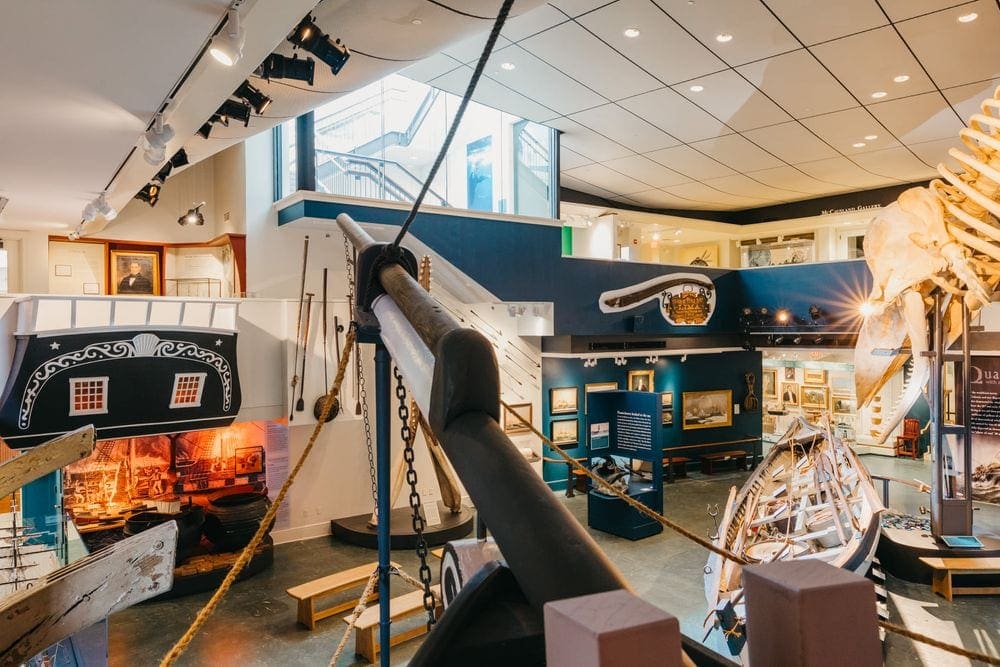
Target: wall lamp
[(308, 36), (193, 217)]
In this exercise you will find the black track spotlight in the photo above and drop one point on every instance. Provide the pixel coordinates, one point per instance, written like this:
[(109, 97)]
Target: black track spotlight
[(233, 110), (797, 340), (277, 66), (308, 36), (252, 96), (149, 194), (179, 159), (193, 217), (163, 173), (205, 130), (778, 340)]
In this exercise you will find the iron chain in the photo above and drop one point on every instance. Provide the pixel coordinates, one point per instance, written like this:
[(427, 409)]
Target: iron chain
[(424, 573), (362, 393)]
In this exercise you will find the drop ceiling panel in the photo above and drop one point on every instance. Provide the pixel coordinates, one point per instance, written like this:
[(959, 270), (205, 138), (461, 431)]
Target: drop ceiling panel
[(430, 68), (673, 113), (814, 22), (689, 162), (660, 199), (573, 50), (843, 129), (469, 49), (569, 159), (897, 162), (904, 9), (791, 142), (756, 33), (601, 176), (586, 142), (577, 7), (956, 53), (732, 100), (539, 81), (713, 198), (791, 178), (567, 181), (624, 127), (799, 84), (935, 152), (493, 94), (646, 170), (736, 152), (867, 63), (966, 100), (744, 186), (530, 23), (663, 48), (919, 118), (840, 170)]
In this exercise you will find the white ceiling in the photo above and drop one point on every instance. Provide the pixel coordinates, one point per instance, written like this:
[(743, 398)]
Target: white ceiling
[(782, 105)]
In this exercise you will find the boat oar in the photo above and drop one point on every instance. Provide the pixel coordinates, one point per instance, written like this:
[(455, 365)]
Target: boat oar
[(300, 405), (338, 329), (321, 399), (298, 323)]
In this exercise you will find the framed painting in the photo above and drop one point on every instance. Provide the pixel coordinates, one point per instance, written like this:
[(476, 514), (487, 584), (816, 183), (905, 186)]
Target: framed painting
[(640, 380), (814, 396), (769, 381), (844, 405), (667, 403), (789, 373), (790, 393), (842, 384), (564, 432), (813, 376), (512, 424), (707, 409), (564, 400), (596, 387), (135, 272)]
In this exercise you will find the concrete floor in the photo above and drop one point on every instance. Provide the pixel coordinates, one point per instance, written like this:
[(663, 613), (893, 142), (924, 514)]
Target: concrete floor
[(255, 624)]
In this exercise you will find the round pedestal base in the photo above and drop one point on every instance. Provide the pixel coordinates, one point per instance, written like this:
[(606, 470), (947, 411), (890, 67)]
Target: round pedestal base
[(355, 529)]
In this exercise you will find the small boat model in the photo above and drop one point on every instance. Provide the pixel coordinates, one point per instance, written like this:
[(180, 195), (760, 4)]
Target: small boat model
[(810, 498)]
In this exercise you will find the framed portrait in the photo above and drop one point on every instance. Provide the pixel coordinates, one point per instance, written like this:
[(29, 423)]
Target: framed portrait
[(769, 381), (813, 376), (790, 393), (707, 409), (564, 400), (789, 372), (564, 432), (844, 405), (597, 386), (512, 424), (135, 272), (814, 396), (667, 403), (640, 380)]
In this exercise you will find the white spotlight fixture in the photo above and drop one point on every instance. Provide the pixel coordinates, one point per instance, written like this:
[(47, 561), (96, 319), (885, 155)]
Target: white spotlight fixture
[(968, 18), (632, 33), (99, 206), (227, 46), (902, 78), (74, 235), (156, 138), (879, 94), (723, 37), (696, 88)]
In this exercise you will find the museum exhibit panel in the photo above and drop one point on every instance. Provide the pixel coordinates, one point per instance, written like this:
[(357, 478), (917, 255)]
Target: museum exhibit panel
[(502, 332)]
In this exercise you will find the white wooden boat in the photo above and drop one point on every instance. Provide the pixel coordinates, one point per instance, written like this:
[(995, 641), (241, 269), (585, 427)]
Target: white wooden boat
[(810, 498)]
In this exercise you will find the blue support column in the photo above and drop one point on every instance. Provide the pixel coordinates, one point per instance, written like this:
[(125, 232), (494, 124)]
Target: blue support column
[(383, 423)]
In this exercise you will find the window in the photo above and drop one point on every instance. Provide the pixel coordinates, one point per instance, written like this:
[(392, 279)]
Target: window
[(88, 396), (187, 390), (284, 157)]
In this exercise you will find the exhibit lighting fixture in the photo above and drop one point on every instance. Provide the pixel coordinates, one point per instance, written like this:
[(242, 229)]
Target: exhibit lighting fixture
[(155, 139), (797, 340), (866, 309), (252, 96), (194, 216), (684, 358), (233, 110), (277, 66), (308, 36), (164, 172), (205, 130), (818, 339), (227, 45), (779, 340), (99, 206), (782, 316), (149, 194), (74, 235), (179, 159)]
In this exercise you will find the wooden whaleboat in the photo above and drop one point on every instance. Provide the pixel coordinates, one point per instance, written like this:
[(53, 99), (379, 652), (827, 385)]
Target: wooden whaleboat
[(810, 498)]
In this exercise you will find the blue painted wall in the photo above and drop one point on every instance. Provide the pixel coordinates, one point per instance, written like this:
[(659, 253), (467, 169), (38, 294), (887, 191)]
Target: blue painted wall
[(838, 288)]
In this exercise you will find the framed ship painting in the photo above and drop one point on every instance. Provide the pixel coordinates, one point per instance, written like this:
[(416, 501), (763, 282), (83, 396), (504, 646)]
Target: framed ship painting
[(563, 400), (512, 424), (667, 404), (564, 432), (707, 409), (135, 272)]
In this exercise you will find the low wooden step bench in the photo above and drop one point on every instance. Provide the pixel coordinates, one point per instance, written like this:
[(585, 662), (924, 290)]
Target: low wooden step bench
[(308, 593), (708, 461), (944, 568), (366, 628), (678, 464)]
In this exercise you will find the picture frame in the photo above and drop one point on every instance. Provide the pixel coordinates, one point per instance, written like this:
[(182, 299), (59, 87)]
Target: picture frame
[(597, 387), (769, 423), (790, 373), (789, 393), (769, 382), (249, 460), (707, 409), (564, 400), (640, 380), (842, 384), (667, 405), (813, 376), (512, 424), (143, 282), (814, 396), (564, 432), (844, 405)]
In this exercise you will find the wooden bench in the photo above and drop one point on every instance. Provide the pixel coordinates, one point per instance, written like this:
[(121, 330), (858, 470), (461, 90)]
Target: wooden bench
[(366, 628), (677, 465), (944, 568), (309, 592), (708, 461)]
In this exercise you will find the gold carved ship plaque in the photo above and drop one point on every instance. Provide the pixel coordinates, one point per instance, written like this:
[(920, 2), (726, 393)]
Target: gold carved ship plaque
[(687, 306)]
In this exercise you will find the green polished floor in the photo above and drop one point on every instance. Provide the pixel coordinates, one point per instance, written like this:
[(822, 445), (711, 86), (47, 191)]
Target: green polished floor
[(255, 624)]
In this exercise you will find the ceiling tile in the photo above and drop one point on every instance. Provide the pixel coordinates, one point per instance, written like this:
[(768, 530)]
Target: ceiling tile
[(843, 129), (431, 67), (814, 22), (570, 48), (966, 99), (744, 186), (935, 152), (689, 162), (567, 181), (673, 113), (624, 127), (577, 7), (798, 84), (609, 179), (715, 199), (736, 152), (494, 95), (756, 33), (842, 171), (586, 142), (919, 118), (569, 159), (469, 49), (646, 170), (898, 162), (660, 199), (531, 22), (791, 178), (663, 48), (955, 53), (904, 9), (732, 100), (539, 81), (791, 142), (867, 63)]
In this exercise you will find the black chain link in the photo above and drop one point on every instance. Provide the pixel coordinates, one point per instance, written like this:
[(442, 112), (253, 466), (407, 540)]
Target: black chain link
[(362, 393), (424, 573)]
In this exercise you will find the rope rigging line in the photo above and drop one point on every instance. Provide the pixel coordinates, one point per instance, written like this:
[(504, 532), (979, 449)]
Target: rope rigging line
[(265, 523), (930, 641)]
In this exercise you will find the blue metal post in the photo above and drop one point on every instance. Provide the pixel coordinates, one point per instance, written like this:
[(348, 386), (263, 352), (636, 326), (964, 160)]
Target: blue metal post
[(383, 423)]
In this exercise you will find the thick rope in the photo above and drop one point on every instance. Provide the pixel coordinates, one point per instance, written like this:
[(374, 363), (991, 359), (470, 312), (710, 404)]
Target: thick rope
[(632, 502), (930, 641), (358, 610), (265, 523)]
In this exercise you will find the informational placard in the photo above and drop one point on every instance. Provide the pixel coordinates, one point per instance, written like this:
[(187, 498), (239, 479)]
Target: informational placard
[(635, 432), (277, 469), (984, 421)]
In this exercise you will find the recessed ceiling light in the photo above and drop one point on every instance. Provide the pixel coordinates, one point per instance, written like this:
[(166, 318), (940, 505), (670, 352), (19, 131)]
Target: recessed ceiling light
[(696, 88), (879, 94), (507, 66), (902, 78), (871, 137), (968, 18), (416, 22), (723, 37), (632, 33), (859, 144)]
